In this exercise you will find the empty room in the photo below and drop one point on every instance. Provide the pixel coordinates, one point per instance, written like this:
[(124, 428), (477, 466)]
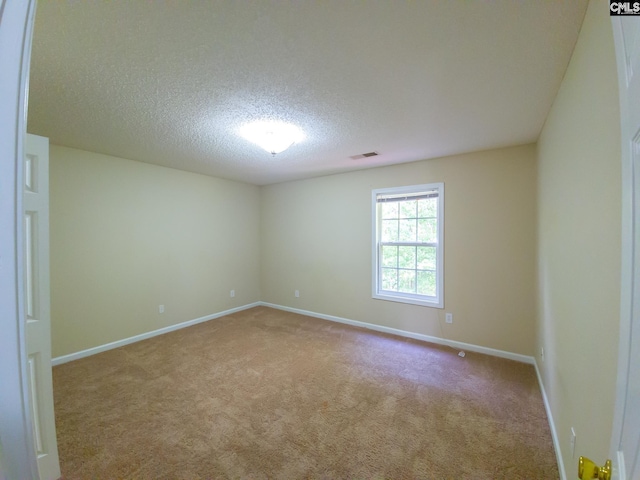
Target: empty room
[(278, 239)]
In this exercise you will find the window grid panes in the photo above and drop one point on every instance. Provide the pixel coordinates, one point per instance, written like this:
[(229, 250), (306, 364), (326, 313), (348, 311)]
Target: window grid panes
[(407, 232)]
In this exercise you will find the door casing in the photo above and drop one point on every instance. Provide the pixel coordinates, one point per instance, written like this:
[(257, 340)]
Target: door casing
[(627, 57), (17, 456)]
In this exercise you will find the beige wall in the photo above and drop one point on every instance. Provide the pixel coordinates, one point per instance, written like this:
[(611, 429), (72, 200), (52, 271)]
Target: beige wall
[(579, 190), (316, 237), (128, 236)]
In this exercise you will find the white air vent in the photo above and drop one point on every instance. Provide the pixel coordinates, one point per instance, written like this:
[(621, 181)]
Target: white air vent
[(364, 155)]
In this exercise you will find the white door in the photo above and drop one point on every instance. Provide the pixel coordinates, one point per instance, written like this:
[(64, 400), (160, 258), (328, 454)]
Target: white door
[(625, 440), (37, 304)]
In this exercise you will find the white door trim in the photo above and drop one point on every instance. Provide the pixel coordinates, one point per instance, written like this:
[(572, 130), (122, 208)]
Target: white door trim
[(17, 458), (627, 259)]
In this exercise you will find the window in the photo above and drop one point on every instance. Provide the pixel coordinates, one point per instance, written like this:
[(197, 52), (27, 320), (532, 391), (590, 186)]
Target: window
[(407, 244)]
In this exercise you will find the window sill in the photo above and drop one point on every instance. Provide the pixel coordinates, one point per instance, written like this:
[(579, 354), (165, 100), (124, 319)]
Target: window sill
[(435, 303)]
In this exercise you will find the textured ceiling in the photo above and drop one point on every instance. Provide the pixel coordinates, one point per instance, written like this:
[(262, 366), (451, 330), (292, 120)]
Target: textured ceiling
[(171, 82)]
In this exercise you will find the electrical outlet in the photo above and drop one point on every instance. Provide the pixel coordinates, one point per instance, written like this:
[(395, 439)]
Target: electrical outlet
[(297, 293), (448, 318), (573, 443), (232, 293), (160, 308), (542, 353)]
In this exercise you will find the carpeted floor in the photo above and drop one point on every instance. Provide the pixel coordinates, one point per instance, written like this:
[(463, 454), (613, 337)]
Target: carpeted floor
[(269, 394)]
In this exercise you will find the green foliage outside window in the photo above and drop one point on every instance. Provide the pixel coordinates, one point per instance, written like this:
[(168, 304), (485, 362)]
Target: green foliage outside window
[(409, 268)]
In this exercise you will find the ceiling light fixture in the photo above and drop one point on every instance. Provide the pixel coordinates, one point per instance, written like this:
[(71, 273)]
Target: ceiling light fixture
[(274, 137)]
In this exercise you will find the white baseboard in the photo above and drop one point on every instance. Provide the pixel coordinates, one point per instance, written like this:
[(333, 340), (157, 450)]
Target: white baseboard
[(552, 425), (144, 336), (403, 333), (371, 326)]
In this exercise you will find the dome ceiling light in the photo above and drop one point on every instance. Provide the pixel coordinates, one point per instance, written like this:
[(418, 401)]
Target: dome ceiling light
[(274, 137)]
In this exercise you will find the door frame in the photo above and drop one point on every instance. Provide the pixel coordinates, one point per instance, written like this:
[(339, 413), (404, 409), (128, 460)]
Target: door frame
[(627, 278), (17, 455)]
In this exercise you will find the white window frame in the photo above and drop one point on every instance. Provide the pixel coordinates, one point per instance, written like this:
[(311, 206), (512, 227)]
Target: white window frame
[(436, 301)]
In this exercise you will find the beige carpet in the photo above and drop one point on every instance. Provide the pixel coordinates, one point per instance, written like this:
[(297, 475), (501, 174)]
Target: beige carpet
[(269, 394)]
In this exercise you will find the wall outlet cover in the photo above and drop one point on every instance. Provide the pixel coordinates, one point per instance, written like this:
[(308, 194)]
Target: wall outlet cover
[(573, 443)]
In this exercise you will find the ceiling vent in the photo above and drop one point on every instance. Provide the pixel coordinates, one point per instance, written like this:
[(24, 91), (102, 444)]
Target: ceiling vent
[(364, 155)]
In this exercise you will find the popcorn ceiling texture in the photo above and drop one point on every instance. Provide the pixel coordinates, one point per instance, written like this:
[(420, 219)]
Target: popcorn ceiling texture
[(170, 83)]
